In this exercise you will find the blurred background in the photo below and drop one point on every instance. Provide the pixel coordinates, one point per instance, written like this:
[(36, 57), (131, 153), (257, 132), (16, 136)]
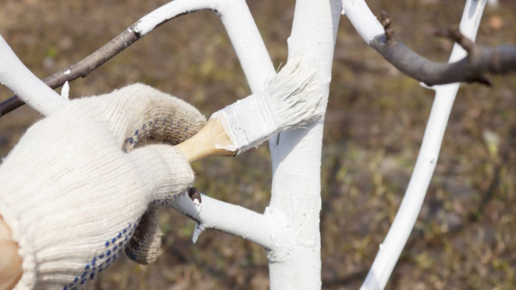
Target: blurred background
[(465, 237)]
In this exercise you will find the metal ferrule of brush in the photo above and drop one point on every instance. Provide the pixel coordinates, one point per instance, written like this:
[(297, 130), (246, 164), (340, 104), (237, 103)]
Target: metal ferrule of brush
[(249, 122)]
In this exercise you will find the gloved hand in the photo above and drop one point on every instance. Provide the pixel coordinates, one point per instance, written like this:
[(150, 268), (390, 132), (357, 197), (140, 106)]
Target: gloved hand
[(73, 191)]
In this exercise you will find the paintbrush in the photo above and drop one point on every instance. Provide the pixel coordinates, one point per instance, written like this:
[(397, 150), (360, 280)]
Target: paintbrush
[(290, 99)]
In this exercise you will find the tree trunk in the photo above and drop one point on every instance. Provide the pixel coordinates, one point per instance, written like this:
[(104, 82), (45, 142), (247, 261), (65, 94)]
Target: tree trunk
[(296, 159)]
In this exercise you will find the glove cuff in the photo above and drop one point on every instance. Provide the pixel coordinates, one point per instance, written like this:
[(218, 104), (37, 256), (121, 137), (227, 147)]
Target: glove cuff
[(69, 262), (25, 248)]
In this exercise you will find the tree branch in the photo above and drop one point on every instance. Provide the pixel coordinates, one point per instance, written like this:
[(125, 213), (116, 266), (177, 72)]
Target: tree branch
[(18, 78), (235, 16), (410, 207), (363, 20), (240, 26), (80, 69), (479, 61), (225, 217), (109, 50)]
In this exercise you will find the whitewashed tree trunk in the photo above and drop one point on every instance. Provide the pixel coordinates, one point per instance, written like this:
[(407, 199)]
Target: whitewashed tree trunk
[(296, 159)]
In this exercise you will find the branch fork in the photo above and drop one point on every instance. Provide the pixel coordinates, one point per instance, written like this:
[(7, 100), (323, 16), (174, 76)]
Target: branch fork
[(479, 61), (225, 217), (236, 18), (256, 63), (383, 39)]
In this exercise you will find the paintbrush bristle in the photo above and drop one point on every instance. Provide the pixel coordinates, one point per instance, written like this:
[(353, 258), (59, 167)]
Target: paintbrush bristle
[(291, 99), (295, 95)]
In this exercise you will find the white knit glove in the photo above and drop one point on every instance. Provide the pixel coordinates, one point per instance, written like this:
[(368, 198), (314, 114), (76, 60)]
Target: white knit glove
[(72, 193)]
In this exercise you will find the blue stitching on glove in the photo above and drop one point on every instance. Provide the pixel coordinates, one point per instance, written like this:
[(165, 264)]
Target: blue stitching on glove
[(90, 269)]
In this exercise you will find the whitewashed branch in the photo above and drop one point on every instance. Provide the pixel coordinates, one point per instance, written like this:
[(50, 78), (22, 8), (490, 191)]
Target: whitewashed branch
[(369, 27), (232, 219), (236, 18), (364, 21), (239, 24), (19, 79)]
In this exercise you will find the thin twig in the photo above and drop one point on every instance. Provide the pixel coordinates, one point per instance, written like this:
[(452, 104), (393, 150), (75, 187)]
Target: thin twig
[(471, 69), (228, 218), (93, 61)]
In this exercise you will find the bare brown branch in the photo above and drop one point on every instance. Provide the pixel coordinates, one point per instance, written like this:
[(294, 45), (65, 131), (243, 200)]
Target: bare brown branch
[(455, 35), (480, 60), (80, 69)]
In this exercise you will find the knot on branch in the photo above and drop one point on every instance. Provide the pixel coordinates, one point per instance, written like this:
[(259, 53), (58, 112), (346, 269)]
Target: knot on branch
[(387, 26), (195, 195), (454, 34)]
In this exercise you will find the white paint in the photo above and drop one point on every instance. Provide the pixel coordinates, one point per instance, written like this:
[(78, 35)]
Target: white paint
[(229, 218), (230, 148), (67, 72), (411, 205), (65, 91), (196, 202), (257, 67), (198, 230), (292, 107), (289, 229), (25, 84), (239, 25), (247, 42), (250, 122), (279, 107), (171, 10), (364, 21), (221, 119), (294, 249), (296, 160)]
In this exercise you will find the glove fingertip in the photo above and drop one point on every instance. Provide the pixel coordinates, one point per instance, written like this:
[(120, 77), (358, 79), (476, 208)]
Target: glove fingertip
[(145, 245)]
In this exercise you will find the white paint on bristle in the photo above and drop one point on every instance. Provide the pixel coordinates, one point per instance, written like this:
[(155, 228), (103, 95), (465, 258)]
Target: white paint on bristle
[(291, 99), (295, 95)]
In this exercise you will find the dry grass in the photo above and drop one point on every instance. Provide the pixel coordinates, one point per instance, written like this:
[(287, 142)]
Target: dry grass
[(465, 236)]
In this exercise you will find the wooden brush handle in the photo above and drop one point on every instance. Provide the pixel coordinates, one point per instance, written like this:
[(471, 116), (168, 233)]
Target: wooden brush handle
[(207, 142)]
